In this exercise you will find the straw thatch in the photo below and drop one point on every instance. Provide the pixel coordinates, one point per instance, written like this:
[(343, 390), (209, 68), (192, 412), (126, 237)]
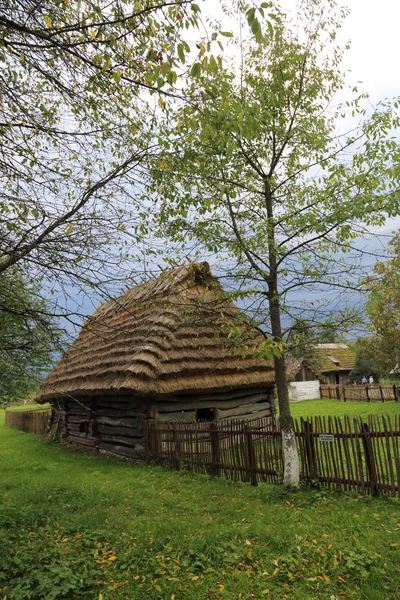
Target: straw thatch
[(170, 335)]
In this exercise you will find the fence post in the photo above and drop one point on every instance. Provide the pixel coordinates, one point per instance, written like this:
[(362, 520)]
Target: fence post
[(344, 393), (177, 444), (215, 456), (381, 392), (337, 392), (369, 458), (310, 449), (367, 392), (251, 455), (329, 390), (394, 393)]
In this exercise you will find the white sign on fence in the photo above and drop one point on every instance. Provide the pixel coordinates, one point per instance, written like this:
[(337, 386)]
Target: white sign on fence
[(326, 437)]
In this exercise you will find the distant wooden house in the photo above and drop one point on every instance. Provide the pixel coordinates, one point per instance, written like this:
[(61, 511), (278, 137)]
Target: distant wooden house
[(163, 350), (302, 370), (337, 360)]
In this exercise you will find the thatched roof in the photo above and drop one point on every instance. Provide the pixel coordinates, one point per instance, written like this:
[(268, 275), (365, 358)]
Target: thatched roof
[(335, 357), (172, 334)]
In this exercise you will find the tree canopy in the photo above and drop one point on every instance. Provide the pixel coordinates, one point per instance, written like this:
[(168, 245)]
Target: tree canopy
[(76, 121), (29, 339)]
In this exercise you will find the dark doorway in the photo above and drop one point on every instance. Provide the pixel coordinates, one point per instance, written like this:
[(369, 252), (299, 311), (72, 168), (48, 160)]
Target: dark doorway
[(205, 414)]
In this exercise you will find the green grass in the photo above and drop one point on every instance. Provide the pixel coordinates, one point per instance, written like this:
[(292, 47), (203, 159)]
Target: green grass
[(309, 408), (81, 526), (29, 406)]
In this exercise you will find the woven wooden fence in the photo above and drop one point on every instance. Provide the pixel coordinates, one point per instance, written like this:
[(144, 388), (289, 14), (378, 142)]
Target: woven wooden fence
[(361, 393), (341, 453), (30, 421)]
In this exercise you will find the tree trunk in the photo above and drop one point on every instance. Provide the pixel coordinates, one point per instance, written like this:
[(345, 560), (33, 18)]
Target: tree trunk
[(291, 476)]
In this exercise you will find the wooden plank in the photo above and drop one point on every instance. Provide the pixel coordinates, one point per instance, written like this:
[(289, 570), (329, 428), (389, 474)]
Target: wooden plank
[(250, 416), (117, 413), (124, 431), (243, 410), (120, 404), (223, 395), (80, 440), (189, 415), (117, 449), (119, 439), (220, 404), (117, 422), (72, 419)]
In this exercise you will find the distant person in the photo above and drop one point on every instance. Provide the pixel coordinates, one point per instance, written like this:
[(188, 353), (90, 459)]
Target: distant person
[(370, 380), (364, 381)]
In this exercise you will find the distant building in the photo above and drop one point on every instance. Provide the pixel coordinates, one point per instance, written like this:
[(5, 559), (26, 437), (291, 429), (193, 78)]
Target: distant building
[(302, 370), (337, 360)]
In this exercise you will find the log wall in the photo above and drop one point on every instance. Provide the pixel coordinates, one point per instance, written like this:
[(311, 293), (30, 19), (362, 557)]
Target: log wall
[(114, 425)]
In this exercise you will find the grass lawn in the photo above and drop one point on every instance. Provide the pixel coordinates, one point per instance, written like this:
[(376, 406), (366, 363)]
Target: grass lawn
[(29, 406), (310, 408), (81, 526)]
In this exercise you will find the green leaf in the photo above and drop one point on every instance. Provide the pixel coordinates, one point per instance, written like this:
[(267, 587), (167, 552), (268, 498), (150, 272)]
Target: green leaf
[(250, 15), (212, 65), (195, 70), (226, 33), (181, 53), (255, 26)]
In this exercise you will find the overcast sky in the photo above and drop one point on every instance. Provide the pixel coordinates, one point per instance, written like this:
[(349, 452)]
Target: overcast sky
[(373, 28)]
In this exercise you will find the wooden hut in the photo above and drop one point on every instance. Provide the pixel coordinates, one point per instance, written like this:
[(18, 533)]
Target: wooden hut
[(337, 360), (173, 348)]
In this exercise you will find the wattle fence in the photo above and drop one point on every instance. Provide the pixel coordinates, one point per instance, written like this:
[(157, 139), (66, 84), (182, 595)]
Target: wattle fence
[(361, 393), (344, 454), (30, 421)]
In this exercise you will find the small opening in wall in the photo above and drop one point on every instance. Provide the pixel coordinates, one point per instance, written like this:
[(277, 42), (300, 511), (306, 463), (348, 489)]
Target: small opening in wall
[(84, 427), (205, 414)]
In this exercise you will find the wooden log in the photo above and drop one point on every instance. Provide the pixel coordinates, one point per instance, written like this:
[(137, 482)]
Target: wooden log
[(117, 449), (78, 407), (243, 410), (188, 415), (117, 413), (119, 439), (129, 422), (76, 426), (223, 395), (75, 419), (80, 440), (124, 431), (202, 403), (110, 402), (250, 416)]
